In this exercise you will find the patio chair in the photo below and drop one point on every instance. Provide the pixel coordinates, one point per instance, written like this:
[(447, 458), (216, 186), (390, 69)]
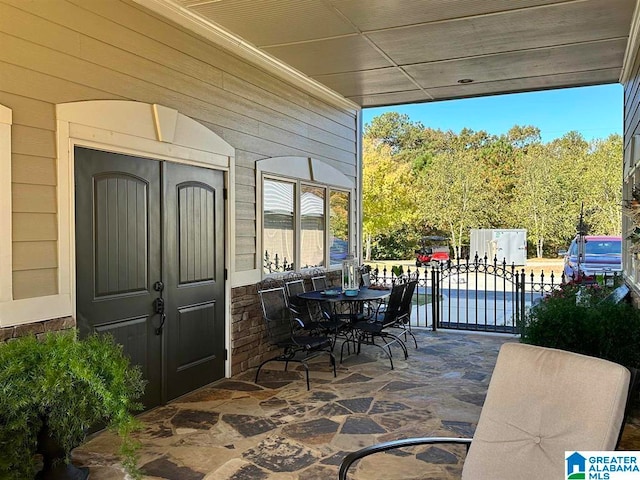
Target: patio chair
[(331, 310), (294, 285), (368, 331), (366, 279), (372, 307), (286, 332), (540, 403), (403, 320), (324, 325), (319, 282)]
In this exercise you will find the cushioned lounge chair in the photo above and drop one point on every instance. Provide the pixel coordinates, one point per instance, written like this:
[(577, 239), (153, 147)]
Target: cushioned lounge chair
[(541, 402)]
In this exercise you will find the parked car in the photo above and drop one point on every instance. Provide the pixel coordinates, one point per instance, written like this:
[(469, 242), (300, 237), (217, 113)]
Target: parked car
[(602, 254), (338, 251)]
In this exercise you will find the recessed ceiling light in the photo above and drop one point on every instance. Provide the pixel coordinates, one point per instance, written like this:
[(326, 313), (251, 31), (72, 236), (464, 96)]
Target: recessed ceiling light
[(465, 80)]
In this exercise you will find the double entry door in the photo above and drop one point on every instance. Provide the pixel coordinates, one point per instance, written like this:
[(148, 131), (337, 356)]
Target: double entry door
[(150, 266)]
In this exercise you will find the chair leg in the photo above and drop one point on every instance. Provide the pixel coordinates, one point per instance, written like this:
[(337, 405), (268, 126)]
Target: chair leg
[(333, 363), (399, 341), (414, 337), (306, 370), (373, 342), (342, 349), (263, 364), (388, 354), (407, 329)]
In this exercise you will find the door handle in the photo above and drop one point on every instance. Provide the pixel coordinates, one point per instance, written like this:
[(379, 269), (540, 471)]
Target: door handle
[(158, 305)]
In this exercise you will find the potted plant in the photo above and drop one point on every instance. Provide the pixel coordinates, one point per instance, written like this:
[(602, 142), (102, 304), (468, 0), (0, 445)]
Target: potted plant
[(52, 390)]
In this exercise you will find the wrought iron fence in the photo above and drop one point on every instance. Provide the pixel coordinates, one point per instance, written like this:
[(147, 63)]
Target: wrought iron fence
[(274, 264), (477, 294)]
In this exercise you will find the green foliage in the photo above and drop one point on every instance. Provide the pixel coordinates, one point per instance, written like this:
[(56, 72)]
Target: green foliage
[(397, 270), (396, 130), (396, 244), (595, 326), (71, 385), (455, 196), (431, 179)]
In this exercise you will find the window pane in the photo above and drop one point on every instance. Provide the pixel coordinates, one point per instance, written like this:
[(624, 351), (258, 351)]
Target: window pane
[(338, 227), (312, 226), (278, 226)]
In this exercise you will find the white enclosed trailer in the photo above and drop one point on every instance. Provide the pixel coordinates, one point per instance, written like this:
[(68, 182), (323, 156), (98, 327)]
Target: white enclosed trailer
[(509, 244)]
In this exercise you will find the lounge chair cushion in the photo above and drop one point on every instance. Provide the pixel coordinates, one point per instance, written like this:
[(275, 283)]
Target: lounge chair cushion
[(572, 412)]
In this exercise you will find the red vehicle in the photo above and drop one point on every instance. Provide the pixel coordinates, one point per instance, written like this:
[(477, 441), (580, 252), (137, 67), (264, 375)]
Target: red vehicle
[(433, 251)]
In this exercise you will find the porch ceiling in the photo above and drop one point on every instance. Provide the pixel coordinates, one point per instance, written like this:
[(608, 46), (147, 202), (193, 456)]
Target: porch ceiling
[(383, 52)]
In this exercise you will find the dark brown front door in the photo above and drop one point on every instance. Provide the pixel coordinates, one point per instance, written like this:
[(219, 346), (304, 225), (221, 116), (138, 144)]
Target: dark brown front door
[(150, 265)]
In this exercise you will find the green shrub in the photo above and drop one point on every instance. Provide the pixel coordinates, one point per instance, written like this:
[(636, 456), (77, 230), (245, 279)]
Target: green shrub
[(592, 325), (398, 244), (70, 384)]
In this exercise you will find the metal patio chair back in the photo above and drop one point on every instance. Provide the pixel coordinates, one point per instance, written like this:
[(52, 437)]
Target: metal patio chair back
[(294, 285), (319, 282), (403, 320)]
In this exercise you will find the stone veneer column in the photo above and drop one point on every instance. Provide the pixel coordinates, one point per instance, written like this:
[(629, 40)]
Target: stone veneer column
[(249, 342)]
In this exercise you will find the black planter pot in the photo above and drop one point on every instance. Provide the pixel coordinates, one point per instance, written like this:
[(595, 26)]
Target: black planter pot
[(53, 457)]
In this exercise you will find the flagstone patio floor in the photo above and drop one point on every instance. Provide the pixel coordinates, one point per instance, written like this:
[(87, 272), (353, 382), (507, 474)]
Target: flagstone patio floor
[(238, 430)]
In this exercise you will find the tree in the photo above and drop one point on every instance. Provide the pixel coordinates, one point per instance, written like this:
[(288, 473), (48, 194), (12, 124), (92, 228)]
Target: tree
[(536, 207), (602, 189), (396, 131), (386, 192), (422, 180), (454, 197)]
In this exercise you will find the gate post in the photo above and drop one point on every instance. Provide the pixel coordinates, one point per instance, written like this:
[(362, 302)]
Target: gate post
[(521, 295), (435, 297)]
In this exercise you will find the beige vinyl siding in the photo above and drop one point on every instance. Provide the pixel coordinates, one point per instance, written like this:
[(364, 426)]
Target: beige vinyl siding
[(39, 282), (33, 170), (34, 255), (64, 51), (34, 246), (29, 227)]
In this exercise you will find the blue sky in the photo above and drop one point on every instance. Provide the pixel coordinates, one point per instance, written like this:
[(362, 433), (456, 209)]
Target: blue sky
[(596, 112)]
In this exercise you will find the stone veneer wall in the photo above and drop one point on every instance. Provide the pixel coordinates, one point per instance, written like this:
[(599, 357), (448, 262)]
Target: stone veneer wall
[(37, 328), (249, 343)]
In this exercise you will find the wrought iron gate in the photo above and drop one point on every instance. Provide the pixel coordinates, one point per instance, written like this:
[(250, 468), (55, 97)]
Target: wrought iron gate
[(473, 294), (478, 295)]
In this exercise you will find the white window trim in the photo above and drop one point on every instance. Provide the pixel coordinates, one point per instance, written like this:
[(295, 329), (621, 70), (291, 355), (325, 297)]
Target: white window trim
[(302, 171), (6, 237), (351, 234)]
